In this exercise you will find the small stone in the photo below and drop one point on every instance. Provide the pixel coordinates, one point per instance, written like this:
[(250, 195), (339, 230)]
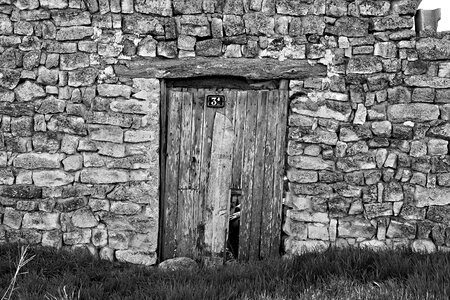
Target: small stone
[(77, 237), (423, 246), (167, 49), (386, 50), (73, 163), (437, 147), (212, 47), (52, 239), (114, 90), (136, 257)]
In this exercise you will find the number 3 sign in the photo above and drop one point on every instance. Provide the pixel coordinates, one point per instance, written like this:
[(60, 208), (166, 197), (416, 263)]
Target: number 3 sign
[(215, 101)]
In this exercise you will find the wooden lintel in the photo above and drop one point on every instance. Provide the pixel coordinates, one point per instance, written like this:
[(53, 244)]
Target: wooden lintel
[(256, 69)]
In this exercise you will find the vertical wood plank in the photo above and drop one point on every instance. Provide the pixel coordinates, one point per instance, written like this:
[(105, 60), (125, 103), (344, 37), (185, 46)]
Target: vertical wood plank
[(162, 166), (184, 195), (258, 176), (239, 123), (218, 194), (247, 175), (269, 154), (171, 176), (208, 122), (197, 141), (279, 172)]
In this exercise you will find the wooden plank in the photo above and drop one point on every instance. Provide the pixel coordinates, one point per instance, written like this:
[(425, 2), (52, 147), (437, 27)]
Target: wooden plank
[(208, 122), (279, 172), (186, 240), (218, 194), (249, 68), (269, 154), (247, 175), (171, 176), (258, 176), (230, 102), (239, 122), (162, 166), (184, 198), (185, 141), (196, 137)]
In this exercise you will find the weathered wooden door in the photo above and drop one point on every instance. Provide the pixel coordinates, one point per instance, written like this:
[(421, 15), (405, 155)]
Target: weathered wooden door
[(212, 151)]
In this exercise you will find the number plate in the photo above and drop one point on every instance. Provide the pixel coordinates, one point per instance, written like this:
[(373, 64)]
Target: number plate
[(215, 101)]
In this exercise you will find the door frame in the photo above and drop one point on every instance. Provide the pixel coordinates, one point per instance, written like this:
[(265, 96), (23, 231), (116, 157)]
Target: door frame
[(213, 82)]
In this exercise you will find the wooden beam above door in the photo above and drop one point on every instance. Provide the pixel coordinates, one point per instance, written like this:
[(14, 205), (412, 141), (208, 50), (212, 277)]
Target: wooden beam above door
[(257, 69)]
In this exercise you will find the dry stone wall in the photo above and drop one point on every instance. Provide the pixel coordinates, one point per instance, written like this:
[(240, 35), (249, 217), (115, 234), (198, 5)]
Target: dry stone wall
[(367, 154)]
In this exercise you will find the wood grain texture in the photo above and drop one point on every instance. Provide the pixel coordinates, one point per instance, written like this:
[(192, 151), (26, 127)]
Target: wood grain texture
[(257, 69), (171, 177), (218, 196)]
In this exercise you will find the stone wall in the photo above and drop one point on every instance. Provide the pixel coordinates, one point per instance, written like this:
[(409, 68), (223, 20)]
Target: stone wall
[(367, 158)]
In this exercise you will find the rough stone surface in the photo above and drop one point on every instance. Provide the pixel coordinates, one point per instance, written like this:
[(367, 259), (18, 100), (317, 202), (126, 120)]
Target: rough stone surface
[(178, 264)]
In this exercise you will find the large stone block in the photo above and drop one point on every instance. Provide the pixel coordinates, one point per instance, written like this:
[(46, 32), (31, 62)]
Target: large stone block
[(84, 218), (74, 33), (70, 17), (51, 105), (82, 77), (101, 176), (391, 23), (212, 47), (106, 133), (131, 106), (349, 26), (297, 247), (364, 65), (439, 214), (440, 131), (37, 161), (428, 81), (423, 246), (29, 91), (320, 136), (374, 8), (401, 229), (308, 216), (156, 7), (142, 192), (41, 220), (339, 111), (67, 124), (363, 161), (194, 25), (416, 112), (310, 163), (141, 24), (73, 61), (52, 178), (355, 227), (433, 48), (136, 257), (114, 90), (9, 78), (77, 237), (375, 210)]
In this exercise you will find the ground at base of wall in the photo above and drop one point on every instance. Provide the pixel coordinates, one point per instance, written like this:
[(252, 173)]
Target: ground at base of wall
[(334, 274)]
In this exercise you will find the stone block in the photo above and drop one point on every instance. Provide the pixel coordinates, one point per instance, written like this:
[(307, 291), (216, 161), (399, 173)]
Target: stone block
[(194, 25), (114, 90), (52, 178), (131, 107), (428, 82), (70, 17), (161, 8), (125, 208), (399, 95), (84, 218), (74, 33), (73, 163), (67, 124), (41, 220), (417, 112), (440, 131), (375, 210), (136, 257), (324, 109), (349, 27), (106, 133), (364, 161), (364, 65), (22, 126), (423, 246), (37, 161), (391, 23), (167, 49), (310, 189), (52, 239), (437, 147), (80, 236), (103, 176), (82, 77), (29, 91), (260, 23), (310, 163), (51, 105), (212, 47), (12, 218), (297, 247), (356, 227), (301, 176), (374, 8), (433, 48), (440, 214), (383, 128), (141, 192), (318, 231), (401, 229)]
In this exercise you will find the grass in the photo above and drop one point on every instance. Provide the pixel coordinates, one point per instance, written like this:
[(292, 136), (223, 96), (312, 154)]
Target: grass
[(334, 274)]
